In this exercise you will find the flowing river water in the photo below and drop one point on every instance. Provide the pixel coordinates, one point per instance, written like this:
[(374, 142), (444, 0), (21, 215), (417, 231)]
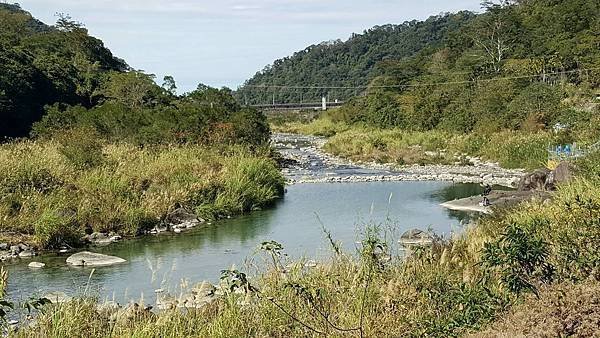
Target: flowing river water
[(296, 221)]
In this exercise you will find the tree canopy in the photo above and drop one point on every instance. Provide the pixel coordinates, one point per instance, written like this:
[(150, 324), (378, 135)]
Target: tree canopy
[(41, 65), (513, 66)]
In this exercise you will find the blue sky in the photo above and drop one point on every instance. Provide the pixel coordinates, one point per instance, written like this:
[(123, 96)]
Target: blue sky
[(224, 42)]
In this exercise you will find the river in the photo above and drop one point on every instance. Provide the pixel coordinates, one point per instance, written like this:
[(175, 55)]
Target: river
[(296, 221)]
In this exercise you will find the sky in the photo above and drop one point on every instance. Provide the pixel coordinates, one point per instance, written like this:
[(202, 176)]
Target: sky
[(224, 42)]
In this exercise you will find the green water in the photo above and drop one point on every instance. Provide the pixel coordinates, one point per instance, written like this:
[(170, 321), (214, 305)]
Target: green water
[(163, 261)]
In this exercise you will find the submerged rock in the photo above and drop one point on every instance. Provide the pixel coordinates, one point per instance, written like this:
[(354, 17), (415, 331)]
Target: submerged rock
[(27, 254), (57, 297), (416, 237), (92, 259), (36, 265)]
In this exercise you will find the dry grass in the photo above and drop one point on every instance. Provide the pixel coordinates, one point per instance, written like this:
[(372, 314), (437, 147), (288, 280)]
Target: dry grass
[(563, 310)]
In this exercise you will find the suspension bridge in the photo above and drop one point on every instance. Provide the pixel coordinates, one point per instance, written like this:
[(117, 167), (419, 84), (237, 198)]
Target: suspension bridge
[(323, 105)]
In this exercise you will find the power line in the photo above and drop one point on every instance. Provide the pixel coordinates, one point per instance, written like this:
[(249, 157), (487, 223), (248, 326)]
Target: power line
[(422, 84)]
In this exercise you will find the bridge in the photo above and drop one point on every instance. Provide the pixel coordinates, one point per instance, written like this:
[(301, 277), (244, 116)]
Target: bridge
[(298, 106)]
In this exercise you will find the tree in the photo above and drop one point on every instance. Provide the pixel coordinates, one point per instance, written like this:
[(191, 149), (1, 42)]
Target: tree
[(491, 34), (169, 85), (133, 89)]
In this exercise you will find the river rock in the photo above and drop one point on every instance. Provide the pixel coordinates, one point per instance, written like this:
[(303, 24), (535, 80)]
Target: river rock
[(100, 238), (131, 312), (14, 249), (182, 219), (4, 246), (416, 237), (36, 265), (57, 297), (563, 173), (27, 253), (93, 259), (109, 308), (204, 289), (536, 180)]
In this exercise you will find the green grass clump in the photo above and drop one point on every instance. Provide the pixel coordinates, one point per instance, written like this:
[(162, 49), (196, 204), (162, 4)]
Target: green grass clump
[(52, 191)]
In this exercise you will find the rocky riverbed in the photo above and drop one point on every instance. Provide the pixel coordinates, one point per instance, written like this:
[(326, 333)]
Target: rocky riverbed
[(306, 162)]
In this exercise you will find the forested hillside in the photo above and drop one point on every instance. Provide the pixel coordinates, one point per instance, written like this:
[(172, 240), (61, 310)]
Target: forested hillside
[(41, 65), (60, 78), (518, 64), (348, 63), (86, 142)]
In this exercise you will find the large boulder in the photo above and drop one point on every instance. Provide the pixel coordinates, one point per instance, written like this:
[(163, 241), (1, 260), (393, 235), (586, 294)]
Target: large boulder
[(92, 259), (180, 218), (536, 180), (564, 172), (546, 179)]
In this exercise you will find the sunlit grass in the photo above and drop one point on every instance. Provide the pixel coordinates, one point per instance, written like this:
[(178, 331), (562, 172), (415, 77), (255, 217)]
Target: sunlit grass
[(48, 198)]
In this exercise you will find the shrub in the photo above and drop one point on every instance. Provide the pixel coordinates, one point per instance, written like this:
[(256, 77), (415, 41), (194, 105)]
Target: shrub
[(82, 146), (56, 227), (521, 255)]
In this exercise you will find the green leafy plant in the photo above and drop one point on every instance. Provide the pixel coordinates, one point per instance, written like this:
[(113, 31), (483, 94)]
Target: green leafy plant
[(521, 258)]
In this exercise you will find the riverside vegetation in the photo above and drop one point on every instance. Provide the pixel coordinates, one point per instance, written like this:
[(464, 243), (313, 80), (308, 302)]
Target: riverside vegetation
[(505, 85), (110, 150), (520, 259)]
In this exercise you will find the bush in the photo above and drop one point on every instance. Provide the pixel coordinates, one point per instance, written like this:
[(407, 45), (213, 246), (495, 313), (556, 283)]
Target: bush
[(82, 146), (56, 227)]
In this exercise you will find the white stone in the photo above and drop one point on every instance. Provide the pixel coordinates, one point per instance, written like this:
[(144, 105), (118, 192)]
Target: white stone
[(36, 265), (57, 297), (92, 259)]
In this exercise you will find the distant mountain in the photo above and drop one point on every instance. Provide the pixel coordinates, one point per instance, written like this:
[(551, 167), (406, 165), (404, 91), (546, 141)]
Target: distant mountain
[(352, 62)]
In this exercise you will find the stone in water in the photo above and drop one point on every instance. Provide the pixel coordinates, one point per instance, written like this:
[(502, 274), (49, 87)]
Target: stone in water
[(93, 259)]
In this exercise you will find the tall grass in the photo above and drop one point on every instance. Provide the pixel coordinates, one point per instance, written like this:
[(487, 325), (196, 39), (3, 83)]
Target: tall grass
[(510, 149), (52, 200)]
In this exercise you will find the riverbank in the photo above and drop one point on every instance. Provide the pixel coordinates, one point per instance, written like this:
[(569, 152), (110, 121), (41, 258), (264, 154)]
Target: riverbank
[(308, 162), (497, 200), (53, 195), (452, 288)]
